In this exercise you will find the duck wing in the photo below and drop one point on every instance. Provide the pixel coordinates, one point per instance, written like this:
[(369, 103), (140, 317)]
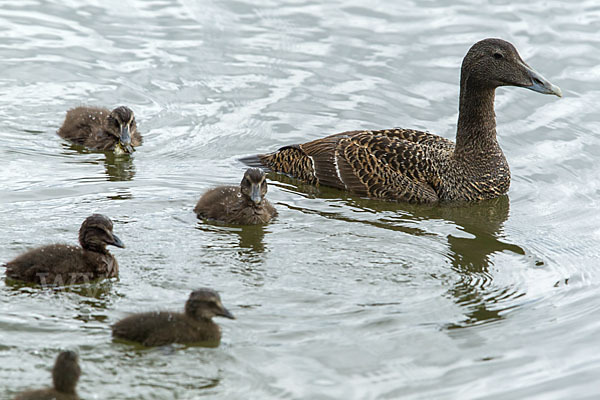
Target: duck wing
[(392, 164)]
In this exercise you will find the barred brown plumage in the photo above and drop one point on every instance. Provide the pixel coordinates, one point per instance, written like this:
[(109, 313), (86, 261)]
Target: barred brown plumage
[(415, 166)]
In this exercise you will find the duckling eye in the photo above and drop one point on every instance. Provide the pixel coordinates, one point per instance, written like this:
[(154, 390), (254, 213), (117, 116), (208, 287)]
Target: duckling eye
[(498, 56)]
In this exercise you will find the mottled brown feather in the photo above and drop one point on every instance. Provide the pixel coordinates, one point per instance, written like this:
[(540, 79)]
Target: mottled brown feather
[(419, 167), (194, 326), (61, 264), (90, 127), (233, 205)]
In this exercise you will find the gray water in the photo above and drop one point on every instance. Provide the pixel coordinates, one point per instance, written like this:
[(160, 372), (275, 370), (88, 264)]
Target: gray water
[(340, 297)]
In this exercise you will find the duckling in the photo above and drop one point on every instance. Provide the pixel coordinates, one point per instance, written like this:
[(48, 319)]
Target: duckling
[(60, 264), (101, 129), (65, 375), (420, 167), (194, 326), (243, 205)]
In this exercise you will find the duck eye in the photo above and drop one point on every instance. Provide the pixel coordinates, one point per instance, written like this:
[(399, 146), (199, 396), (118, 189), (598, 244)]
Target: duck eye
[(498, 56)]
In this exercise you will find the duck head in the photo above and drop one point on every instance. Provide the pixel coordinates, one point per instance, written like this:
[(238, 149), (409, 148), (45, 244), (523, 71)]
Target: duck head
[(96, 233), (491, 63), (204, 304), (122, 125), (254, 185), (66, 372)]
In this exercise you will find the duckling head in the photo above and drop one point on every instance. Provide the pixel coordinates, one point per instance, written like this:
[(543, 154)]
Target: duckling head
[(96, 233), (491, 63), (254, 185), (204, 304), (66, 372), (121, 123)]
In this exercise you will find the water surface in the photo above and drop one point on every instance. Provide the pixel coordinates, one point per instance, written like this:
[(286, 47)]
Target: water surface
[(340, 297)]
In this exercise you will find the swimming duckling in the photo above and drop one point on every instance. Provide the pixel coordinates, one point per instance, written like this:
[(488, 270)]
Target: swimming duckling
[(241, 205), (195, 326), (419, 167), (60, 264), (65, 375), (101, 129)]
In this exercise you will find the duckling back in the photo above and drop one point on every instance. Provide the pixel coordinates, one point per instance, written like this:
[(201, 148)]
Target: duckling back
[(61, 264), (161, 328), (86, 126), (227, 204), (91, 127)]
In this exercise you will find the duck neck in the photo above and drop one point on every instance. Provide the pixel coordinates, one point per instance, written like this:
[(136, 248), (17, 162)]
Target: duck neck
[(67, 383), (476, 131)]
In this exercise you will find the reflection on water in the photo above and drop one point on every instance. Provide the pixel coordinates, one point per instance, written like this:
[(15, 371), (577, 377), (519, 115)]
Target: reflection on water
[(341, 295), (118, 167), (249, 237), (248, 244), (471, 257), (252, 237), (478, 237)]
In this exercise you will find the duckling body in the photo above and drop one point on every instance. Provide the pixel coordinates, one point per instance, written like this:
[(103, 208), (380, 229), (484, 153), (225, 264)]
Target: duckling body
[(241, 205), (60, 264), (65, 375), (161, 328), (99, 128), (194, 326), (420, 167)]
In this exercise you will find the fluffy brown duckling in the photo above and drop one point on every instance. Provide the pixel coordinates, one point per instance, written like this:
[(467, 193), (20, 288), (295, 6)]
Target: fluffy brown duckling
[(101, 129), (420, 167), (194, 326), (59, 264), (241, 205), (65, 375)]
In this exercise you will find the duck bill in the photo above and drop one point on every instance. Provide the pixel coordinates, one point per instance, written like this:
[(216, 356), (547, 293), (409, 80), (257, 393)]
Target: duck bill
[(125, 139), (117, 242), (225, 313), (255, 194), (539, 83)]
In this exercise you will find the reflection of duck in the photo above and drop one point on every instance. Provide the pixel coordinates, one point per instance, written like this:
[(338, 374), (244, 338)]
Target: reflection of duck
[(101, 129), (118, 167), (63, 264), (241, 205), (483, 222), (471, 255), (419, 167), (251, 237), (195, 326), (65, 375)]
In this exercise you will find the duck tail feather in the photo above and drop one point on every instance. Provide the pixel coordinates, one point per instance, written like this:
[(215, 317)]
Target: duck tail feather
[(254, 161)]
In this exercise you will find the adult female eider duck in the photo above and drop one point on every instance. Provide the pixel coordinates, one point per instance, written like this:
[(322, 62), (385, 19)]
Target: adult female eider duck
[(65, 375), (419, 167), (60, 264), (101, 129), (241, 205), (194, 326)]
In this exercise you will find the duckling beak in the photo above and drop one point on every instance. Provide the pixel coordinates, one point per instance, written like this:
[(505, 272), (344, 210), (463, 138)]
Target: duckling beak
[(125, 139), (539, 83), (255, 194), (117, 242), (225, 313)]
